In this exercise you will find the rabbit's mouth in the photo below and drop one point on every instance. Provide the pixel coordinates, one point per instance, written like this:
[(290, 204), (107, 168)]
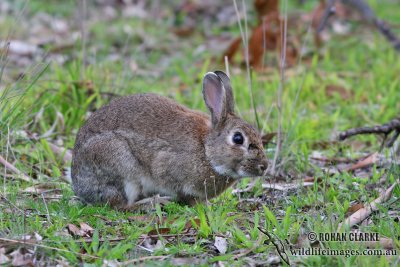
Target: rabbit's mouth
[(252, 169), (243, 172), (223, 170)]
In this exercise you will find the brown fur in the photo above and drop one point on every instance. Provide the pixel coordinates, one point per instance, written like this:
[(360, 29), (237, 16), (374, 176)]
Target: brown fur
[(157, 146)]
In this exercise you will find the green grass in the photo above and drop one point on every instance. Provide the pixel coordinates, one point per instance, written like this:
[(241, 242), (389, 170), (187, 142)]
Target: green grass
[(62, 95)]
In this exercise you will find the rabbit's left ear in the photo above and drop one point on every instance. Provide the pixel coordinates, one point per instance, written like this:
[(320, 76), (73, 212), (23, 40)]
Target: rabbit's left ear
[(215, 98), (230, 100)]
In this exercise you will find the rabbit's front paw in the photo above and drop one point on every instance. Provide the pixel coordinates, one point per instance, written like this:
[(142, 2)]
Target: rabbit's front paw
[(148, 204)]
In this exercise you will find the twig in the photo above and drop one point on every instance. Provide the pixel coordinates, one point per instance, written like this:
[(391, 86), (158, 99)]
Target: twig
[(245, 39), (280, 89), (12, 168), (329, 11), (280, 248), (142, 259), (47, 209), (385, 129), (12, 204), (82, 21), (384, 28), (22, 242)]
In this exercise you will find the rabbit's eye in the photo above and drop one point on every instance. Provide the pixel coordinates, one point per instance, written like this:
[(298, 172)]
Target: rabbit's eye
[(238, 138)]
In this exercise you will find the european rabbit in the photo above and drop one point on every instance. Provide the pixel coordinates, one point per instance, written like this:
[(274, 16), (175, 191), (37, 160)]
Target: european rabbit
[(146, 144)]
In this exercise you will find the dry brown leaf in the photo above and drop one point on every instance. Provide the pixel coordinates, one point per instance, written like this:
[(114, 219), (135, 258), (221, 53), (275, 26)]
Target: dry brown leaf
[(192, 224), (73, 229), (368, 161), (363, 213), (331, 90), (267, 36), (159, 232), (86, 229), (266, 7), (266, 138), (355, 207)]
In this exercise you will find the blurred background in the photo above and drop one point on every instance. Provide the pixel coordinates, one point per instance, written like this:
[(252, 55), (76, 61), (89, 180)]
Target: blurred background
[(301, 70)]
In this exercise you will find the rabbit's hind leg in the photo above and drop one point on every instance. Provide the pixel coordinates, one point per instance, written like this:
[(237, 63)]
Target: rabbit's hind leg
[(98, 192), (104, 171)]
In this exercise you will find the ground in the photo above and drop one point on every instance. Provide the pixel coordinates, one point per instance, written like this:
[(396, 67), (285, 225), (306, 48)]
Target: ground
[(75, 56)]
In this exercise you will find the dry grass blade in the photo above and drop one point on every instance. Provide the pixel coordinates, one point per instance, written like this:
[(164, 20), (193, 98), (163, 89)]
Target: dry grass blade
[(9, 166), (363, 213)]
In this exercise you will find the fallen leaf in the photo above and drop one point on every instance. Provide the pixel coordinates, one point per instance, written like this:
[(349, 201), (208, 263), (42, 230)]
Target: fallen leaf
[(86, 229), (355, 207), (159, 232), (3, 258), (266, 138), (221, 244), (22, 257), (332, 90), (20, 48), (363, 213), (73, 230), (368, 161), (192, 224), (266, 7)]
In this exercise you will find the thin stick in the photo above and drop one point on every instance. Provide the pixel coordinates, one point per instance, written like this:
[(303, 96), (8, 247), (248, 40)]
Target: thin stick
[(386, 129), (47, 209), (46, 247), (280, 90), (12, 168), (243, 34), (83, 9), (142, 259)]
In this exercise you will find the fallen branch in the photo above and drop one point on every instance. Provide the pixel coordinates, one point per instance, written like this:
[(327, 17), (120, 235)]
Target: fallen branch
[(363, 213), (12, 168), (385, 129), (367, 14), (142, 259)]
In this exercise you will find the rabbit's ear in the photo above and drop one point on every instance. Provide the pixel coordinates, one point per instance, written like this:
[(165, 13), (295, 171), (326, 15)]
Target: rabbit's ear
[(230, 100), (214, 97)]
